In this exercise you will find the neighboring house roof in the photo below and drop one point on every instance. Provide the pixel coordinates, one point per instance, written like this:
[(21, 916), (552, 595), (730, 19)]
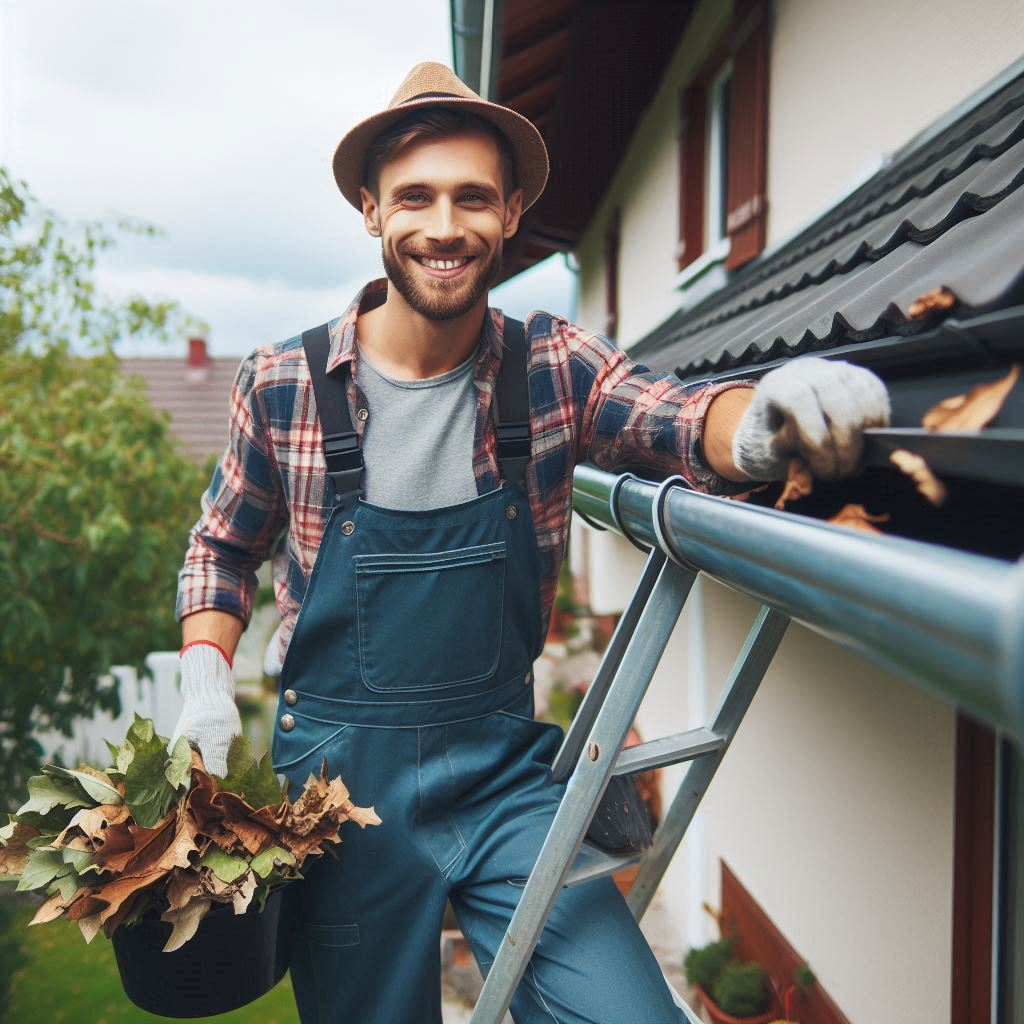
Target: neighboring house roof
[(195, 393), (947, 212)]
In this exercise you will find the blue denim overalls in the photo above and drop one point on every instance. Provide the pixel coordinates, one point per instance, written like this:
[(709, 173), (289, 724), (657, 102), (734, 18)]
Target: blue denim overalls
[(411, 671)]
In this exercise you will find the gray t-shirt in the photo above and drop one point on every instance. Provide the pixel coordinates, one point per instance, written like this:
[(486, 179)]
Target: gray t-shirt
[(418, 440)]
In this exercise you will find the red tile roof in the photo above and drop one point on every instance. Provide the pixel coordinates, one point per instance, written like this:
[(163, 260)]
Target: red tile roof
[(195, 396)]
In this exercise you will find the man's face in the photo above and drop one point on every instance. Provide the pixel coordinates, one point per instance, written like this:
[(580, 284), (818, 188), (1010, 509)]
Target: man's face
[(442, 220)]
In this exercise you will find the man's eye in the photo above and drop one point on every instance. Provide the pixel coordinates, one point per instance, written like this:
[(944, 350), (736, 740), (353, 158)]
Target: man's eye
[(473, 197), (414, 197)]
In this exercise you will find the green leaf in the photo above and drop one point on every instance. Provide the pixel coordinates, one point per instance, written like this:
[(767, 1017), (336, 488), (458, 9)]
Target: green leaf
[(48, 824), (146, 790), (46, 793), (7, 832), (253, 779), (67, 885), (78, 859), (223, 865), (264, 863), (90, 786), (179, 768), (42, 868)]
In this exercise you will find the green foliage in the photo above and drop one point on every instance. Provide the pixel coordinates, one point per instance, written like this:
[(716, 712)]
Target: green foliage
[(95, 499), (254, 780), (704, 963), (742, 990)]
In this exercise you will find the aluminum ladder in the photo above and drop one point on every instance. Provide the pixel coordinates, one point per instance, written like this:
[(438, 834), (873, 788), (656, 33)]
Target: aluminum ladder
[(593, 751)]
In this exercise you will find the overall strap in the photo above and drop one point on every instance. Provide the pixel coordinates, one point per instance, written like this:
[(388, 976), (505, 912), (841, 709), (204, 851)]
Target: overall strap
[(512, 405), (341, 443)]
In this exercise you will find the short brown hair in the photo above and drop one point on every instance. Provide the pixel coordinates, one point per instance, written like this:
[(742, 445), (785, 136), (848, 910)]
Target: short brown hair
[(430, 124)]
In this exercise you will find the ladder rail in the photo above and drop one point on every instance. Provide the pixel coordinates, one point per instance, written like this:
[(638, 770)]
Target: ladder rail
[(735, 699), (583, 791)]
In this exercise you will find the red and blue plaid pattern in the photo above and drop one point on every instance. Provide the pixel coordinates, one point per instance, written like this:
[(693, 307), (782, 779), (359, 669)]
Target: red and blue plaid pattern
[(589, 402)]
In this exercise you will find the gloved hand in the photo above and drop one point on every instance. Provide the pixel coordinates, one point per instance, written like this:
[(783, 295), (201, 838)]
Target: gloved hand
[(814, 408), (210, 716)]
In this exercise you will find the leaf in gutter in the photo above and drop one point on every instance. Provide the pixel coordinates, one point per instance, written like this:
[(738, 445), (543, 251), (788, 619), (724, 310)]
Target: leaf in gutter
[(918, 470), (857, 517), (973, 410), (937, 300), (799, 482)]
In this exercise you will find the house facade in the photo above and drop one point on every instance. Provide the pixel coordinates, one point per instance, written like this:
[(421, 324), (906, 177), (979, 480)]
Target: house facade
[(854, 810)]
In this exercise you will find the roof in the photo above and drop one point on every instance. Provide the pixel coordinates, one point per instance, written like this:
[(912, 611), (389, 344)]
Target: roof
[(197, 399), (947, 213), (583, 73)]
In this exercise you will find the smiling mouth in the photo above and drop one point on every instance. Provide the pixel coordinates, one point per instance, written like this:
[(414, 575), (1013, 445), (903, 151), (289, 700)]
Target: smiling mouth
[(434, 264)]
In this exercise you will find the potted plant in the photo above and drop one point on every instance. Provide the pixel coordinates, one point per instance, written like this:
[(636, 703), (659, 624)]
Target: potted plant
[(735, 992), (185, 871)]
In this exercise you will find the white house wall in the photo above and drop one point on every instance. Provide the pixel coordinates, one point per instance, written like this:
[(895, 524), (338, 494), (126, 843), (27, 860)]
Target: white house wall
[(835, 804)]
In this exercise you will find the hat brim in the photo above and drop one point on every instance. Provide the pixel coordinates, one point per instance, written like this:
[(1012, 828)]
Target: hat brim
[(530, 155)]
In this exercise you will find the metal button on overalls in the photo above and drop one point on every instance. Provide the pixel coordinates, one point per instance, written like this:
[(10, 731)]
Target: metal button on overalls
[(416, 635)]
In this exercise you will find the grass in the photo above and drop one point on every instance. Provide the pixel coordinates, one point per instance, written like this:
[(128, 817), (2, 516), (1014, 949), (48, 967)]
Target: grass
[(66, 980)]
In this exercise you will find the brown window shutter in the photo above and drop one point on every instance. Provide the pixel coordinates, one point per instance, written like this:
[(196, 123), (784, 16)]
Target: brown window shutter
[(748, 136), (611, 274), (692, 117)]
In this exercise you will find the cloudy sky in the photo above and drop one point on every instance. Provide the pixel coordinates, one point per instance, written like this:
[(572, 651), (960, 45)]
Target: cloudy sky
[(217, 123)]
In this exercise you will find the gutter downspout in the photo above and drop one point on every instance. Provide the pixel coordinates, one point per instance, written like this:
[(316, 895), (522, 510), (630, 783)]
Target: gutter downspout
[(476, 43)]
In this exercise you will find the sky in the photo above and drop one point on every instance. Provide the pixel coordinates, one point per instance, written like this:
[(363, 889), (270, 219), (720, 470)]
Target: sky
[(217, 122)]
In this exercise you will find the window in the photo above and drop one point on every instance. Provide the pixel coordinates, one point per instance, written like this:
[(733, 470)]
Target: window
[(722, 149)]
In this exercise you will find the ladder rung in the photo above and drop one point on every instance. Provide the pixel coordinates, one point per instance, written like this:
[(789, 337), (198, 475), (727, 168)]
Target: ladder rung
[(593, 862), (682, 746)]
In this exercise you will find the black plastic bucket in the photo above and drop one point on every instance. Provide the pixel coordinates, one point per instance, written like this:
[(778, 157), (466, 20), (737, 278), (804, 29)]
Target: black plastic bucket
[(230, 961)]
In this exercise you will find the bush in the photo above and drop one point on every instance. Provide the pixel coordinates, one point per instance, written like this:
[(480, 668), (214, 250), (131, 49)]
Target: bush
[(742, 990), (703, 964)]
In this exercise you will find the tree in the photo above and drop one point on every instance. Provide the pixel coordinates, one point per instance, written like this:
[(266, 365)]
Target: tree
[(95, 497)]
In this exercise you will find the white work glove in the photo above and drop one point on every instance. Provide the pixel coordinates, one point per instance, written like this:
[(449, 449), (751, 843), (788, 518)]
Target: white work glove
[(210, 716), (814, 408)]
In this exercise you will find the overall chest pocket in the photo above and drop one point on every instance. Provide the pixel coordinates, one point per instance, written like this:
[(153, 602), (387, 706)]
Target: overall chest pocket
[(430, 620)]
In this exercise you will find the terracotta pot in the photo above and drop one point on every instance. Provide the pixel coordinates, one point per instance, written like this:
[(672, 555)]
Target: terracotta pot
[(625, 877), (719, 1016)]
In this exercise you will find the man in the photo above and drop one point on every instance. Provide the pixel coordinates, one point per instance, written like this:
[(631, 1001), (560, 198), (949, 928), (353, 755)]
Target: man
[(423, 546)]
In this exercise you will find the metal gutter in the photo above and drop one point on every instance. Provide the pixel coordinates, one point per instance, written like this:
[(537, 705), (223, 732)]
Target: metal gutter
[(949, 621), (476, 43)]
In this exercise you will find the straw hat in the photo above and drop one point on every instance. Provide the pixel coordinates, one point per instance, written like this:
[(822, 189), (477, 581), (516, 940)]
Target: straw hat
[(431, 84)]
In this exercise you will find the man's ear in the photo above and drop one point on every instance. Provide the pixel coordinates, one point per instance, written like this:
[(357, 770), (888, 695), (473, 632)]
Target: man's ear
[(371, 211), (513, 211)]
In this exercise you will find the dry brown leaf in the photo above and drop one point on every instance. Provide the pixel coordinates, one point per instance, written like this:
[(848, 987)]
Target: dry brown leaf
[(937, 299), (90, 823), (115, 892), (50, 909), (857, 517), (14, 856), (243, 896), (799, 482), (89, 927), (185, 922), (973, 410), (84, 903), (919, 471)]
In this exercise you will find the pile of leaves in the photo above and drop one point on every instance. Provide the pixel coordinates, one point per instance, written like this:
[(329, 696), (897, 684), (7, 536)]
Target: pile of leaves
[(155, 831)]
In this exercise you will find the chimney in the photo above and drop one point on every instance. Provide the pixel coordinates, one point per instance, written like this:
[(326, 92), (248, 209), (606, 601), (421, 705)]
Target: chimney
[(197, 357)]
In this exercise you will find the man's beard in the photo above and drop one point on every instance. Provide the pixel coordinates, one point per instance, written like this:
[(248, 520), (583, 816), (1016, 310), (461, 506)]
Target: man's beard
[(443, 299)]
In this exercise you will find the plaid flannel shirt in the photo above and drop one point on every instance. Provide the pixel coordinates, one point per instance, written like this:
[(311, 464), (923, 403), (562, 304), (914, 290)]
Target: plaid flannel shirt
[(589, 402)]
